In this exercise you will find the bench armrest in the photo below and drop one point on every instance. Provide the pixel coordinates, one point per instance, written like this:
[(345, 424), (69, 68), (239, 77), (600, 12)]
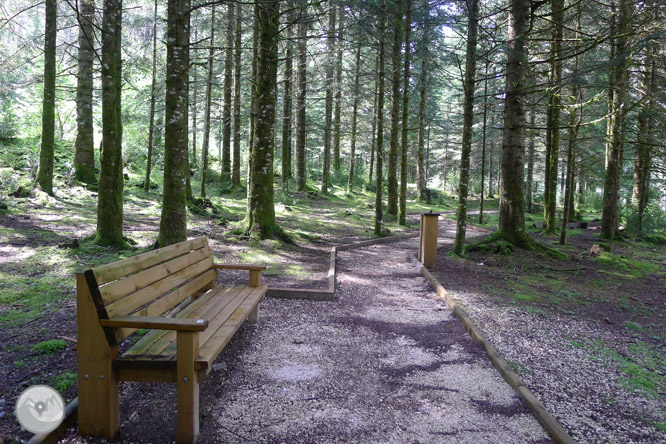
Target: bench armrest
[(155, 323), (251, 267)]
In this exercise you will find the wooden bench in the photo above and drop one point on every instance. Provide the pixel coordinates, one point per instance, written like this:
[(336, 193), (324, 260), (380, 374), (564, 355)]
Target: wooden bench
[(170, 291)]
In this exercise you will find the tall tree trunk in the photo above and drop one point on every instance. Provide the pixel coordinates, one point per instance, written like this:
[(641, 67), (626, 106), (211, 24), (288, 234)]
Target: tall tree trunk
[(491, 154), (468, 122), (260, 218), (328, 119), (420, 155), (404, 149), (483, 141), (352, 153), (209, 100), (379, 215), (512, 199), (228, 80), (195, 101), (301, 95), (286, 109), (45, 171), (153, 87), (173, 224), (253, 99), (529, 187), (619, 86), (111, 181), (373, 142), (645, 127), (396, 59), (553, 147), (338, 90), (235, 175), (84, 147)]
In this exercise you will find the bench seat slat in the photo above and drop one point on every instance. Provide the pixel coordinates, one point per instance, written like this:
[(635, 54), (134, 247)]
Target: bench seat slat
[(155, 341), (110, 272), (225, 310), (209, 351), (131, 285)]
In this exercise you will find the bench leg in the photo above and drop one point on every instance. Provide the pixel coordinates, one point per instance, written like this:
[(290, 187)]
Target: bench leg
[(187, 428), (99, 410), (253, 317)]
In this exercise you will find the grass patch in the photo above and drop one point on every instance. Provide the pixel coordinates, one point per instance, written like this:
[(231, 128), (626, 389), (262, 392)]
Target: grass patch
[(63, 381), (633, 267), (50, 347)]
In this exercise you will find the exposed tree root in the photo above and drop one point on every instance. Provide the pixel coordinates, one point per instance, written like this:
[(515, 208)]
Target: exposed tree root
[(500, 243)]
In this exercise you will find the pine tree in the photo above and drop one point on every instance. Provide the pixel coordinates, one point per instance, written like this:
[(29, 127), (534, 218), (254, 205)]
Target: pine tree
[(84, 147)]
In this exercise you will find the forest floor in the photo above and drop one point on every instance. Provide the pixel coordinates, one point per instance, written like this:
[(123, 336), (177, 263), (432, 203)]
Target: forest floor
[(587, 334)]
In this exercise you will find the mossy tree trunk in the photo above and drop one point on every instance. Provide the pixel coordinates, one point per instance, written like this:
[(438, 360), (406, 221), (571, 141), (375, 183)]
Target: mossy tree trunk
[(173, 222), (619, 85), (235, 174), (260, 219), (209, 99), (153, 86), (396, 58), (354, 123), (373, 142), (379, 214), (484, 132), (328, 118), (468, 122), (512, 199), (529, 185), (286, 109), (228, 82), (45, 171), (111, 181), (301, 95), (553, 138), (84, 147), (338, 90), (404, 145)]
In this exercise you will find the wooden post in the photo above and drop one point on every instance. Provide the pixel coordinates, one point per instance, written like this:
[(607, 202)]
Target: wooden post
[(98, 385), (253, 317), (187, 427), (428, 239), (255, 278)]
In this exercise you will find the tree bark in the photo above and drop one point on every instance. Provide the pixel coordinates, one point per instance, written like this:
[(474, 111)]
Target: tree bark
[(338, 90), (260, 218), (173, 224), (468, 122), (380, 119), (420, 155), (111, 181), (235, 174), (392, 182), (328, 119), (84, 147), (352, 153), (373, 142), (209, 98), (301, 95), (153, 87), (483, 141), (286, 109), (226, 110), (645, 129), (529, 187), (253, 99), (512, 199), (404, 148), (553, 147), (619, 86), (45, 171)]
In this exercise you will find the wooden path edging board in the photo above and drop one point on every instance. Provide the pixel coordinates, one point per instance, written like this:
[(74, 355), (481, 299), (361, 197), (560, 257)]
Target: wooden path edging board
[(329, 293), (547, 421)]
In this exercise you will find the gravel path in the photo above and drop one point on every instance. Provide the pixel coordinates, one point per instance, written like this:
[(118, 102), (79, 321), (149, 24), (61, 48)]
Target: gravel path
[(385, 363)]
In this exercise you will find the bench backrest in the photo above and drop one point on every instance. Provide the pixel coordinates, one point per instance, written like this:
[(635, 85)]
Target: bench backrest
[(152, 283)]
